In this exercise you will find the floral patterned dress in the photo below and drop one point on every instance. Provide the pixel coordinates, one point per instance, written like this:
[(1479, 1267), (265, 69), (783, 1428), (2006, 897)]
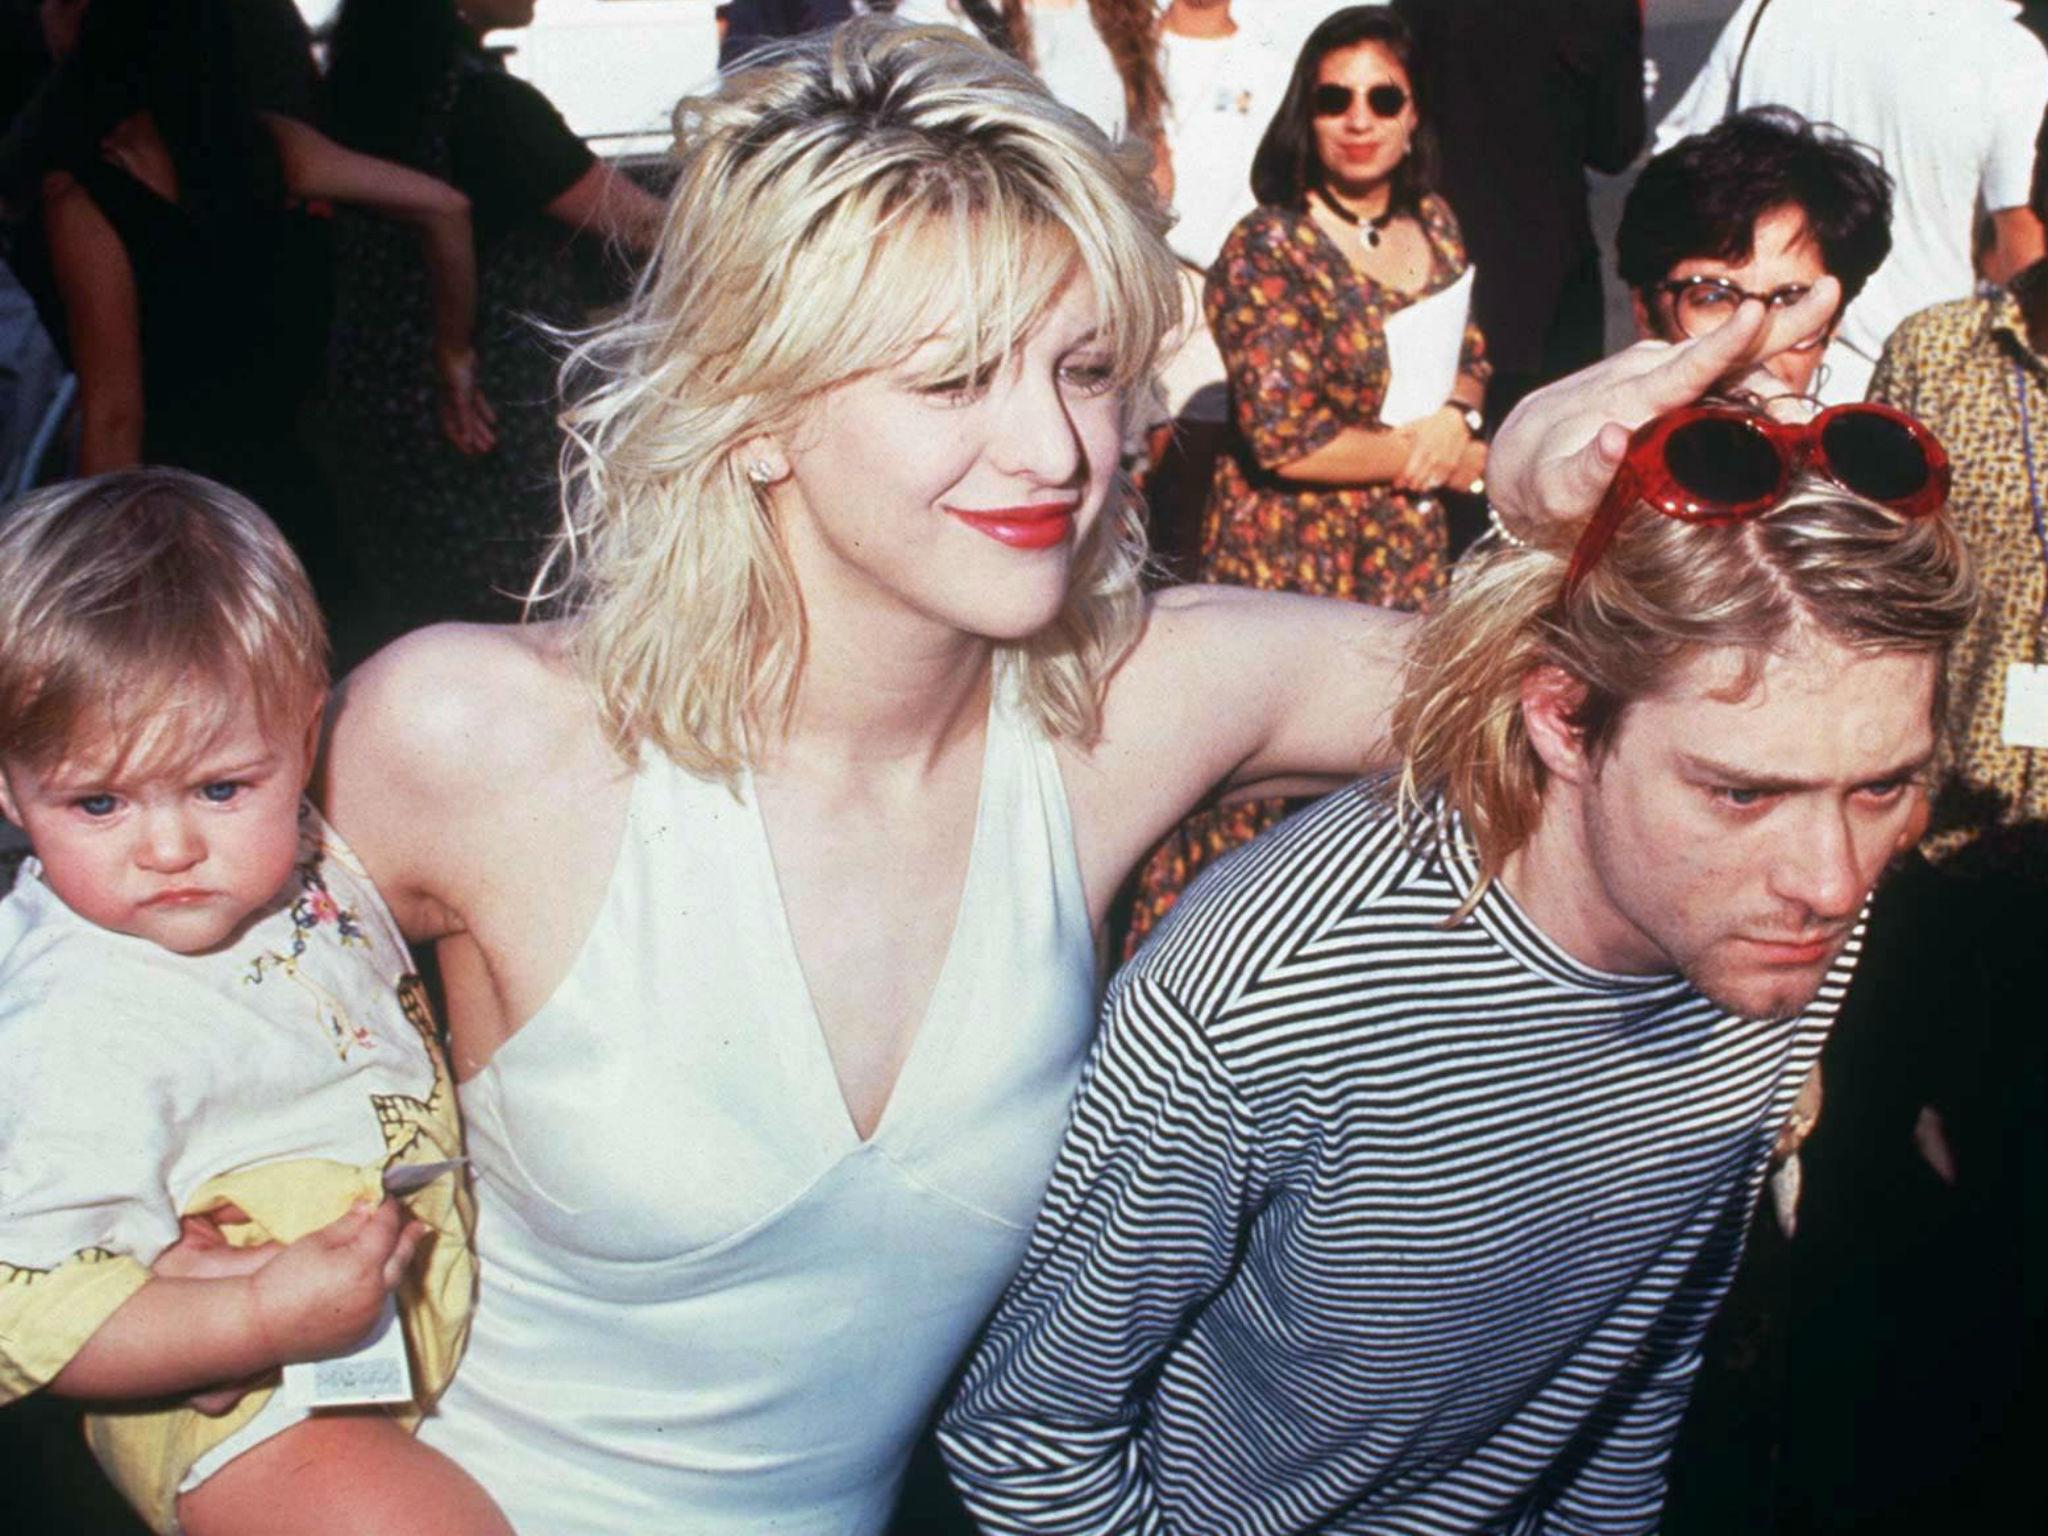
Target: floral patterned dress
[(1303, 335)]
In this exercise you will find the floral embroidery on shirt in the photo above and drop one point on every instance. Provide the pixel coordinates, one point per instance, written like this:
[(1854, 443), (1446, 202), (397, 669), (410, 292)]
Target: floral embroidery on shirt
[(313, 911)]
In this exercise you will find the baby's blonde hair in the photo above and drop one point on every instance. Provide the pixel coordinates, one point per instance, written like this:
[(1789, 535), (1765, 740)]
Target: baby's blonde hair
[(139, 609), (841, 202)]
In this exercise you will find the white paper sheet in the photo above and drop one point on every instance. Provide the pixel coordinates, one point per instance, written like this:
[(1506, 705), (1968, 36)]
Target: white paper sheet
[(1424, 341)]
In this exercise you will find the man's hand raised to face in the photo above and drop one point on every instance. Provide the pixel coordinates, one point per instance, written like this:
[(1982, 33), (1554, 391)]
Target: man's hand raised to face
[(1557, 452)]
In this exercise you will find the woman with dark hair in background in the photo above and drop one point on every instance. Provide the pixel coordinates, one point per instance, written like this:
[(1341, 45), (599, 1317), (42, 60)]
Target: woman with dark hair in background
[(439, 533), (1328, 486), (193, 292)]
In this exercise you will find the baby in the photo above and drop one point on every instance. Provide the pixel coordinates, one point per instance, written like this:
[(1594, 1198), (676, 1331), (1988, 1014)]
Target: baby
[(205, 1009)]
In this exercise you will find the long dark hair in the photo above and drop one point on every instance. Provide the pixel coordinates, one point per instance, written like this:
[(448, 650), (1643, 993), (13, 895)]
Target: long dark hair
[(1129, 29), (175, 60), (386, 60), (1287, 167)]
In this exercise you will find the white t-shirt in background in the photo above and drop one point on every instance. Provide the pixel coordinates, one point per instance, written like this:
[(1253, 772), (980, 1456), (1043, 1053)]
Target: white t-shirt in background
[(1221, 93), (1075, 64)]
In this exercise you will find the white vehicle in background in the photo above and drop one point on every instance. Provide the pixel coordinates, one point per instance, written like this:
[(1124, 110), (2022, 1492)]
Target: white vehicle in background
[(614, 68)]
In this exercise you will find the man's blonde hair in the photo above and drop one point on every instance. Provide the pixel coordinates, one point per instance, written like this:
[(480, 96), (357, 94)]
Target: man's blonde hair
[(138, 609), (841, 202), (1824, 561)]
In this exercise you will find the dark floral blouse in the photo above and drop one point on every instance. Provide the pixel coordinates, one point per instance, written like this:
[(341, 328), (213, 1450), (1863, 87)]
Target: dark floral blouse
[(1303, 334)]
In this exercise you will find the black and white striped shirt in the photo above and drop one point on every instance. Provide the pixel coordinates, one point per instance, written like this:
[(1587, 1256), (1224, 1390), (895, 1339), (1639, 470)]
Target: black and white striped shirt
[(1363, 1224)]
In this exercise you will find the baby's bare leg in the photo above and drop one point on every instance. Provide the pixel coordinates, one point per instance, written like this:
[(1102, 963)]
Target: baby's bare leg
[(355, 1474)]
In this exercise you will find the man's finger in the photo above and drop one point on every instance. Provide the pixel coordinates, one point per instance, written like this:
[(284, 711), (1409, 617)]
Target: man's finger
[(1583, 479), (1691, 368), (1803, 321), (1755, 332)]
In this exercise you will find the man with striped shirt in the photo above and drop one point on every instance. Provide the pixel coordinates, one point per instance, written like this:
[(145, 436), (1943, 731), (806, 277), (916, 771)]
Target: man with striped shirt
[(1417, 1149)]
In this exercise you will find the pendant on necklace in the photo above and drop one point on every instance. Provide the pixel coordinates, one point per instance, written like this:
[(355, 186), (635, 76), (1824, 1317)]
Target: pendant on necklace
[(1368, 229)]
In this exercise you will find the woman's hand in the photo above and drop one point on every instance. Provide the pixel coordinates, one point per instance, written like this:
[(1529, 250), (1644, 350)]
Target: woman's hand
[(320, 1295), (467, 420), (1556, 454), (1470, 474), (1437, 442)]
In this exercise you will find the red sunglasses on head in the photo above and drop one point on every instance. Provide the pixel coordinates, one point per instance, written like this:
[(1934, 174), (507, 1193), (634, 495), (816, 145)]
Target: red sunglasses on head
[(1721, 464)]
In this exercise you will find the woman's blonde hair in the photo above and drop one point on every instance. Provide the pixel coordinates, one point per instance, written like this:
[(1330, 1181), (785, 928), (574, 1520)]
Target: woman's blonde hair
[(1824, 561), (138, 610), (842, 201)]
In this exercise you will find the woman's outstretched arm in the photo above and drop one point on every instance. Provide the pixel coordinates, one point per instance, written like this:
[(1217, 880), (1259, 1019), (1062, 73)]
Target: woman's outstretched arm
[(315, 167)]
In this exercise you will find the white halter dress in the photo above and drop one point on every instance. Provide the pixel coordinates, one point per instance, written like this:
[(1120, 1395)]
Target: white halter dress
[(707, 1305)]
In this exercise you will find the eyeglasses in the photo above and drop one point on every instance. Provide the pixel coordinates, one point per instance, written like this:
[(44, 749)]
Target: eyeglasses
[(1382, 100), (1703, 304), (1722, 464)]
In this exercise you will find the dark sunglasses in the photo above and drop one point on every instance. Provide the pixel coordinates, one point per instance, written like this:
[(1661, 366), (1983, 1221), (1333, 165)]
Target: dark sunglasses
[(1721, 464), (1335, 100)]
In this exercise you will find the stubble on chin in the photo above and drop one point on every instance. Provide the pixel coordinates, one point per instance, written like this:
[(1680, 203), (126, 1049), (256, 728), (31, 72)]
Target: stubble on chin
[(1753, 992)]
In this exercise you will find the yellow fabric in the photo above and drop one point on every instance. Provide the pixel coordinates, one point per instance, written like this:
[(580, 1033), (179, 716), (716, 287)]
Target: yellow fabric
[(46, 1315), (147, 1452)]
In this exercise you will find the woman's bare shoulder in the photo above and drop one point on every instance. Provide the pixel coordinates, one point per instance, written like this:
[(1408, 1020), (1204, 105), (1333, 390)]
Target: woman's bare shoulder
[(445, 746), (464, 698)]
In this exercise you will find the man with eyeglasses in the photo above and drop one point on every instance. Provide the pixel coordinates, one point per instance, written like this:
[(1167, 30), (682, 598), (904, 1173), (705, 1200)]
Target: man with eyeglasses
[(1417, 1149), (1759, 206), (1948, 95)]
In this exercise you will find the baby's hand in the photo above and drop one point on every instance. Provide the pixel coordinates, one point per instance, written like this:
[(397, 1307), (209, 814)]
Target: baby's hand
[(321, 1294)]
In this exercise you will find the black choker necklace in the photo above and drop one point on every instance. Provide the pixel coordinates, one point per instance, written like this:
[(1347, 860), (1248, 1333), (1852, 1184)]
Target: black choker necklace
[(1370, 228)]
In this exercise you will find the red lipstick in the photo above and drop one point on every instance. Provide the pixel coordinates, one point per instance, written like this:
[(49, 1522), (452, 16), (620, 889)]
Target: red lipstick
[(1039, 526)]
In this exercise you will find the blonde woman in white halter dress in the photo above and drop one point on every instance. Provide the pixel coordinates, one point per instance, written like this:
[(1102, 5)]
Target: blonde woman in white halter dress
[(764, 883)]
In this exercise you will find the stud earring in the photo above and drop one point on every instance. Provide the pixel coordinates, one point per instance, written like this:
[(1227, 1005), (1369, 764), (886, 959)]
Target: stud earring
[(760, 471)]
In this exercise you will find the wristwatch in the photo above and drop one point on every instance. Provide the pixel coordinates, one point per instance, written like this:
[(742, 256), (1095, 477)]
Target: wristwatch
[(1475, 419)]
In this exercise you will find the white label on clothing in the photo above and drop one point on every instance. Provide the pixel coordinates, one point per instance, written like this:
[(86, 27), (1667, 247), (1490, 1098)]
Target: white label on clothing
[(404, 1178), (375, 1373), (2026, 706)]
